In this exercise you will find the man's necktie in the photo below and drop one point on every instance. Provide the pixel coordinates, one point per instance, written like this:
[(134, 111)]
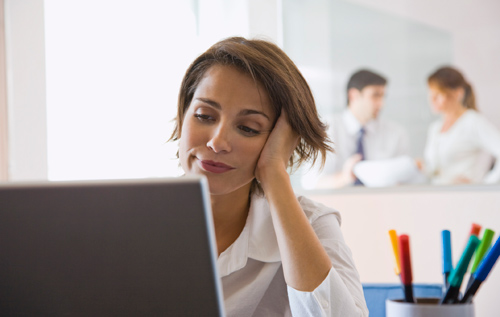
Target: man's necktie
[(360, 150)]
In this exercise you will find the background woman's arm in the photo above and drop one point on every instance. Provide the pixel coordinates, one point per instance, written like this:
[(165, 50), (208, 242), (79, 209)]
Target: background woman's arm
[(489, 138)]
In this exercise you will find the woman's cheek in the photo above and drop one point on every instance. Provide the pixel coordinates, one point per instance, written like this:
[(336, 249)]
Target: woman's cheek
[(257, 150)]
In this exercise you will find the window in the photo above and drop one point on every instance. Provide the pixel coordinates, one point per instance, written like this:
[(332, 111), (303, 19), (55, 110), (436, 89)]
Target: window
[(113, 70), (103, 78)]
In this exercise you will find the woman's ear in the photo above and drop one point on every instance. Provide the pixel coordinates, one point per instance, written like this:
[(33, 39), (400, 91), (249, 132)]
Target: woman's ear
[(459, 94)]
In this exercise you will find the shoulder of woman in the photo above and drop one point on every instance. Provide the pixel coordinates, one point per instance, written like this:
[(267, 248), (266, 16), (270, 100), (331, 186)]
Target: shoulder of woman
[(476, 119), (476, 115), (315, 210)]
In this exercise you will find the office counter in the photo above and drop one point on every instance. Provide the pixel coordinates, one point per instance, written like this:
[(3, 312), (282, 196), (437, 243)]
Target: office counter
[(421, 212)]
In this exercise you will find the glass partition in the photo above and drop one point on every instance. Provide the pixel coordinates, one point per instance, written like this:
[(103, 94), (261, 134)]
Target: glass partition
[(330, 40)]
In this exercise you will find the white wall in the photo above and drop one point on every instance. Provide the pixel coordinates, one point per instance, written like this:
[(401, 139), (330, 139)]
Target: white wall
[(247, 18), (422, 214)]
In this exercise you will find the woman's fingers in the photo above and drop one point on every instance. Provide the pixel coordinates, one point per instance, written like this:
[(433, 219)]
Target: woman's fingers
[(279, 147), (283, 140)]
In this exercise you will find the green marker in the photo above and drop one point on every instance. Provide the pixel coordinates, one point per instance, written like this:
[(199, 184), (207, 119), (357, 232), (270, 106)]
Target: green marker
[(481, 251), (482, 248)]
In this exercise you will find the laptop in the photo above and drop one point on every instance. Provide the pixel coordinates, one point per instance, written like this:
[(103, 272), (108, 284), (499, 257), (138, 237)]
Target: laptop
[(108, 248)]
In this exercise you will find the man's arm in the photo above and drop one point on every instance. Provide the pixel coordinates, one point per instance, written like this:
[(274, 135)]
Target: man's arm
[(340, 179)]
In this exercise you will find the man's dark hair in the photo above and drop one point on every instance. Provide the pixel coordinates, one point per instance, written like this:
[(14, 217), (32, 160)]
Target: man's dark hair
[(363, 78)]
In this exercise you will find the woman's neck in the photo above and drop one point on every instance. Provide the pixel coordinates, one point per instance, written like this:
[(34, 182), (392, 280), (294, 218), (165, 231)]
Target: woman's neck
[(451, 116), (230, 213)]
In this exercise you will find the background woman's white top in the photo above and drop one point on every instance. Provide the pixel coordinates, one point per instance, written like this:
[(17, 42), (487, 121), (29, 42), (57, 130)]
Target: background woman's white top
[(467, 150)]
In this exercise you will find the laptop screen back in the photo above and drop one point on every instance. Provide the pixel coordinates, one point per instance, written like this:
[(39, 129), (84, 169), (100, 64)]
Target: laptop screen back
[(112, 248)]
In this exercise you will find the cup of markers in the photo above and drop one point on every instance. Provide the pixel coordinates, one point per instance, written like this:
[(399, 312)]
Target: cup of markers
[(451, 303)]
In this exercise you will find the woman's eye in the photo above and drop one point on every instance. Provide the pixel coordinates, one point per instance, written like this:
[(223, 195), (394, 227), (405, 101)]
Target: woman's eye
[(203, 117), (248, 131)]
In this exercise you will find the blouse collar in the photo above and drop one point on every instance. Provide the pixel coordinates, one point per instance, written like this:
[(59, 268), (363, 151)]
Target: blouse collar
[(257, 240)]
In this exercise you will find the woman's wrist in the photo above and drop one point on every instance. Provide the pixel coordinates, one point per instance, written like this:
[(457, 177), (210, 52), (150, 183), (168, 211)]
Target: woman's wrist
[(272, 175)]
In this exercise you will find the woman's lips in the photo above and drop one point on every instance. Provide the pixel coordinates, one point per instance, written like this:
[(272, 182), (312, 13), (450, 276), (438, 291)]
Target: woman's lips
[(214, 167)]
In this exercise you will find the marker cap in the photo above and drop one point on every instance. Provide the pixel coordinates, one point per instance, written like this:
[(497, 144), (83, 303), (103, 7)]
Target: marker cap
[(395, 249), (475, 229), (447, 260)]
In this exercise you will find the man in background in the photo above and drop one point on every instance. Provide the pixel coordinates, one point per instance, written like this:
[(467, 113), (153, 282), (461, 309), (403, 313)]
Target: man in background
[(359, 133)]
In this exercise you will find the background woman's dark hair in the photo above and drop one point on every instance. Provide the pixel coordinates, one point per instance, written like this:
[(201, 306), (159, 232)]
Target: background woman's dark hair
[(448, 78), (287, 89)]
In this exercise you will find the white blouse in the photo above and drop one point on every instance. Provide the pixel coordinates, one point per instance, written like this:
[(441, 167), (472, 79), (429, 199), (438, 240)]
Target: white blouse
[(468, 150), (252, 275)]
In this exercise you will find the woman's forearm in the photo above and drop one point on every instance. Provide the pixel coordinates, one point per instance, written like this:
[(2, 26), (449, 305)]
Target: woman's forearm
[(305, 262)]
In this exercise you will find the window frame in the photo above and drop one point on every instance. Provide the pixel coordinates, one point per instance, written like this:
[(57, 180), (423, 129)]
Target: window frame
[(4, 162)]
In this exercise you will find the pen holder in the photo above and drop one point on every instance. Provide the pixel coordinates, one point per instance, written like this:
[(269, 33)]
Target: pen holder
[(427, 307)]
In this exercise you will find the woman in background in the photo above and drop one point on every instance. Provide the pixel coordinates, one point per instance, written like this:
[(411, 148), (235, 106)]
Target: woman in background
[(462, 145), (245, 115)]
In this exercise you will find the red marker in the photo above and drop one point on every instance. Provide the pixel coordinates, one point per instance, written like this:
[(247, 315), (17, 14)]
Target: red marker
[(405, 261), (475, 229)]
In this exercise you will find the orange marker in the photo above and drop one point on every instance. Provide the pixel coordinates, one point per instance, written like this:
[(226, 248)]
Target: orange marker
[(394, 242)]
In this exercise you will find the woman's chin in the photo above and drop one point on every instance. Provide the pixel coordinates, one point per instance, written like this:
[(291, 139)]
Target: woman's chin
[(218, 188)]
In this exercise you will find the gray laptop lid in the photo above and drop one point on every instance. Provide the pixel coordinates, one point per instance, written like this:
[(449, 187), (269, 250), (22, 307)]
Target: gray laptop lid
[(110, 248)]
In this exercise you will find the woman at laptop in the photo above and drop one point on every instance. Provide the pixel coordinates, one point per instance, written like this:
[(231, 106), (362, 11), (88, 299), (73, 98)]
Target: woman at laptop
[(245, 117)]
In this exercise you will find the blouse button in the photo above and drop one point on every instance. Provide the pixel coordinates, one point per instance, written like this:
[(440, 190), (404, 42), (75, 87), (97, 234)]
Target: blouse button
[(324, 303)]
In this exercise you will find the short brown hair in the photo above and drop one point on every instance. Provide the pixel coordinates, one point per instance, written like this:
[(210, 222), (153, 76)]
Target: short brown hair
[(448, 78), (287, 89), (362, 78)]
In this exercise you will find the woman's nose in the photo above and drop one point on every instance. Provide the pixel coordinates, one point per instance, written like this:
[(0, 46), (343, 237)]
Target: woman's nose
[(219, 140)]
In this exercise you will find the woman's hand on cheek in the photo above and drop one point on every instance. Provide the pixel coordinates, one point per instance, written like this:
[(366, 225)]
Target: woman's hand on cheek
[(277, 151)]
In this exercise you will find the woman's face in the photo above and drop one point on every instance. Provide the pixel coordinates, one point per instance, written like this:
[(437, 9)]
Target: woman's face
[(442, 102), (225, 129)]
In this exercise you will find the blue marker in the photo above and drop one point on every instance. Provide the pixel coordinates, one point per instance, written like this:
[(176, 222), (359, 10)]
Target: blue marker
[(447, 260), (482, 272)]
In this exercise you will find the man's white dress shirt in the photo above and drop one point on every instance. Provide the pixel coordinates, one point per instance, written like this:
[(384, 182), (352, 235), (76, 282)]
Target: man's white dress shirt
[(383, 139), (252, 274), (466, 150)]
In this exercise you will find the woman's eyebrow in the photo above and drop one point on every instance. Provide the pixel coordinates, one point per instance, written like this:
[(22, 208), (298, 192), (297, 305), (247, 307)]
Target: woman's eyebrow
[(244, 112), (210, 102), (251, 111)]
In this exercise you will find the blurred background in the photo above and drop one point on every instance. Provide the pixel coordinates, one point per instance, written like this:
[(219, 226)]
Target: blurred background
[(90, 87)]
